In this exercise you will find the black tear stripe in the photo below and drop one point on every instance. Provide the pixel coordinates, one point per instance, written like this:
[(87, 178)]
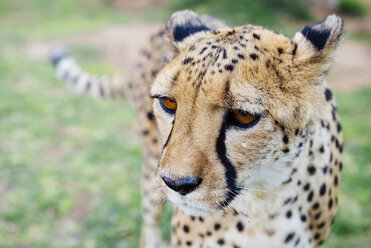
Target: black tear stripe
[(230, 171), (183, 31), (168, 137)]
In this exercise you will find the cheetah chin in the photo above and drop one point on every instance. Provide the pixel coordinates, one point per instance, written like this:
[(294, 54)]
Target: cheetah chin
[(192, 208)]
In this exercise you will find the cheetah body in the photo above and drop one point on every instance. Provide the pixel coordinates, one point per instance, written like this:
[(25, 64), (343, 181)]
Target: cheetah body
[(274, 184)]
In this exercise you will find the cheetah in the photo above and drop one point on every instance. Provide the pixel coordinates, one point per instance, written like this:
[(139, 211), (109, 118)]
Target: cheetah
[(240, 131)]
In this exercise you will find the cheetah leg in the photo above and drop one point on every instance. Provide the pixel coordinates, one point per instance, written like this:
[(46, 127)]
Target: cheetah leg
[(152, 207)]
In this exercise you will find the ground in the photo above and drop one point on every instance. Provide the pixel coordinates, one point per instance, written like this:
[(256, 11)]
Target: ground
[(350, 70)]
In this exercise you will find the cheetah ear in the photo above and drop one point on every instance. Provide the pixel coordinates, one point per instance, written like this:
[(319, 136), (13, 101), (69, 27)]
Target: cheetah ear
[(183, 28), (316, 43)]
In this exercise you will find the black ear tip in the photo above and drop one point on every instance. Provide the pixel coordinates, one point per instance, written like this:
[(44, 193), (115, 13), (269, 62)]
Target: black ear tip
[(182, 32), (320, 33), (58, 54), (184, 23)]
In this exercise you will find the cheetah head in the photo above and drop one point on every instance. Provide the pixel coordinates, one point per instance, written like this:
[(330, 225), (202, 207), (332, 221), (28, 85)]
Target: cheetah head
[(233, 105)]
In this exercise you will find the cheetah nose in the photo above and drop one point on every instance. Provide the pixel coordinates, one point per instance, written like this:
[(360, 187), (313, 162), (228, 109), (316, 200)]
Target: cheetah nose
[(183, 185)]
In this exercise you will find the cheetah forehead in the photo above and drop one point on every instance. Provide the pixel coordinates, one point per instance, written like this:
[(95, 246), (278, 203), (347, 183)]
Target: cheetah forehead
[(247, 67)]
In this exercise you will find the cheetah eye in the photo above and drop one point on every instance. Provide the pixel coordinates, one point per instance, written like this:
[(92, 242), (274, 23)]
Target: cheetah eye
[(168, 105), (244, 119)]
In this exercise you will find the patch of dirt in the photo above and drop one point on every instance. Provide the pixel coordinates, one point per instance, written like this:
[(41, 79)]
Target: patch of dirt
[(136, 5), (121, 45), (352, 66)]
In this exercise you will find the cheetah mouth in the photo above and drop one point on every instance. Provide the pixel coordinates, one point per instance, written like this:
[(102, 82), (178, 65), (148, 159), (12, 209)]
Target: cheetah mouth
[(193, 208)]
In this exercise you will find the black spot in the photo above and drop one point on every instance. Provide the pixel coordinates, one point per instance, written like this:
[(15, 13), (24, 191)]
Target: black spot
[(150, 116), (154, 73), (328, 94), (310, 196), (287, 181), (208, 233), (289, 237), (311, 170), (336, 180), (280, 50), (303, 218), (224, 53), (229, 67), (201, 219), (296, 132), (321, 225), (221, 241), (234, 61), (254, 56), (322, 149), (87, 86), (316, 236), (239, 226), (287, 201), (317, 36), (182, 32), (322, 190), (217, 226), (288, 214), (285, 139), (187, 60), (256, 36), (203, 50), (338, 126), (101, 91), (241, 56), (186, 228), (189, 243), (306, 187), (317, 216), (316, 205), (330, 202), (297, 241), (231, 32), (286, 150)]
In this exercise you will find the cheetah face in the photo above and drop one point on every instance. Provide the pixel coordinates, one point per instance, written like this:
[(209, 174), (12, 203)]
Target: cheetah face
[(233, 107)]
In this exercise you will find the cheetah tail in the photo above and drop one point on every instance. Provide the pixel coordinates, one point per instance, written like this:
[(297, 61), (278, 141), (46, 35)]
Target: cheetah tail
[(82, 82)]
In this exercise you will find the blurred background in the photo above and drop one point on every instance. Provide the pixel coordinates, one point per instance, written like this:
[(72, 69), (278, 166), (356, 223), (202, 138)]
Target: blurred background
[(70, 166)]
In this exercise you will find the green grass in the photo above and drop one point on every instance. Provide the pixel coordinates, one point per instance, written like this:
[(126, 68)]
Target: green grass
[(269, 13), (353, 222), (353, 8), (70, 166)]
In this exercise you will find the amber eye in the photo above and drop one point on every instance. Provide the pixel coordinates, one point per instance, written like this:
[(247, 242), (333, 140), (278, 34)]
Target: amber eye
[(168, 105), (245, 119)]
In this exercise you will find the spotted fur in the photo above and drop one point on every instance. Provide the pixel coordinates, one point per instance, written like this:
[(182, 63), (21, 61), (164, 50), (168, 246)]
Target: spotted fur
[(272, 184)]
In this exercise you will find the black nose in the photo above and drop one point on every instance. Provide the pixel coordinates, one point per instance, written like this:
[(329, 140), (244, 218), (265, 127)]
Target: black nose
[(183, 185)]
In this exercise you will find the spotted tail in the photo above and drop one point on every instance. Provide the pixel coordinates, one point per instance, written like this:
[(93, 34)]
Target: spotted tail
[(82, 82)]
